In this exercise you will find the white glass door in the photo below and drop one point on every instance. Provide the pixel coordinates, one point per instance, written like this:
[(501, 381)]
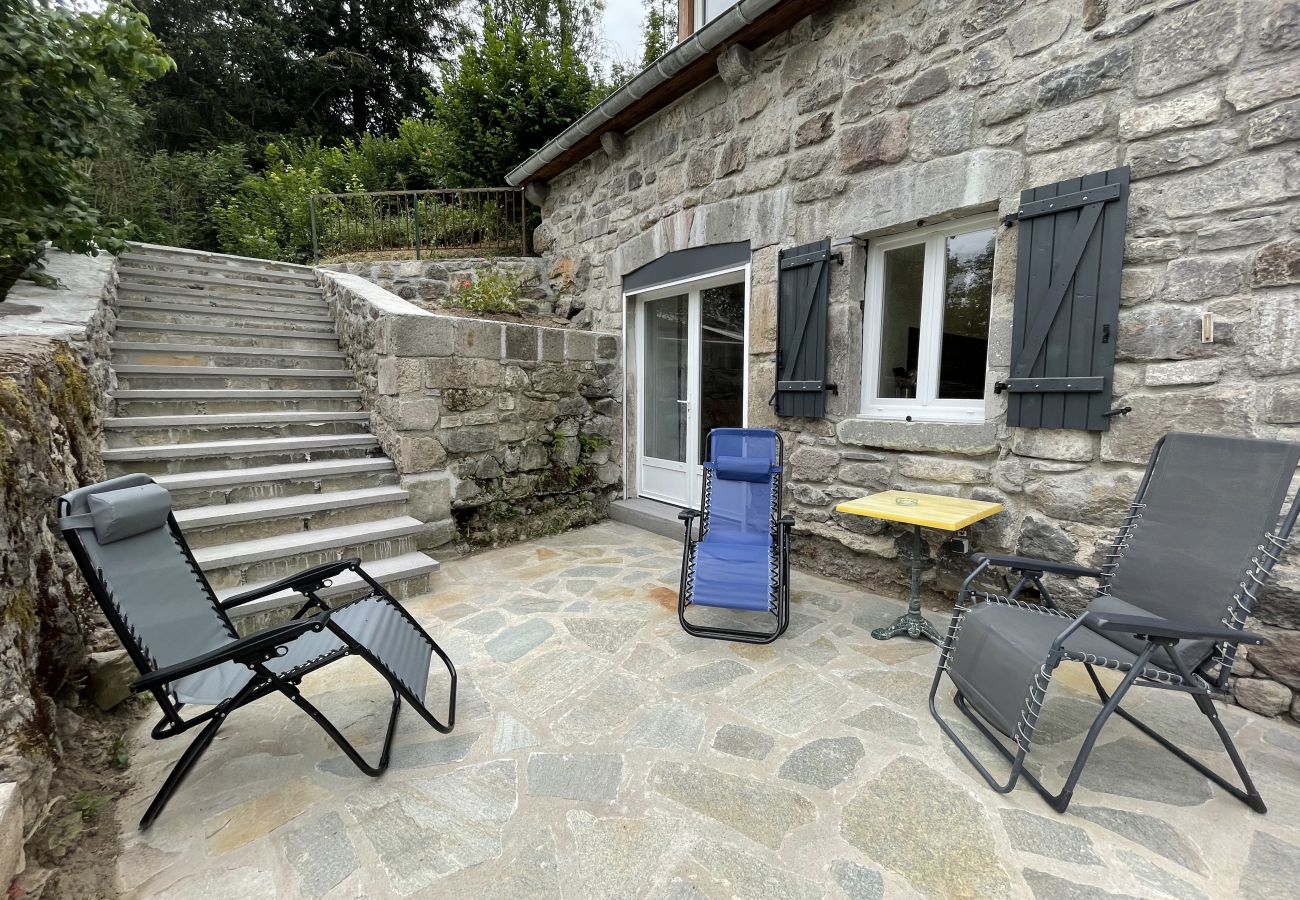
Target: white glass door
[(693, 380)]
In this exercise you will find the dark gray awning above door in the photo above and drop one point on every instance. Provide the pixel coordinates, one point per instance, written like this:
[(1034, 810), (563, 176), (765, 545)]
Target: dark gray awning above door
[(686, 264)]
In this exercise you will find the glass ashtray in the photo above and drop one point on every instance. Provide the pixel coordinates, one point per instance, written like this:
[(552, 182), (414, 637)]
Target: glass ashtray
[(906, 501)]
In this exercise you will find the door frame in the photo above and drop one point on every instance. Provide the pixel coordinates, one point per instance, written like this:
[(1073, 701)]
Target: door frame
[(633, 314)]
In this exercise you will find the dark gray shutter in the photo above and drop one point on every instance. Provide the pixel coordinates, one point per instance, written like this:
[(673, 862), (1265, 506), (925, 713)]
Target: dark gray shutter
[(801, 312), (1069, 256)]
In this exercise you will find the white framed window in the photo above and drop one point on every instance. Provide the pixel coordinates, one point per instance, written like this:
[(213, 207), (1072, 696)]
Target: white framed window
[(708, 10), (926, 322)]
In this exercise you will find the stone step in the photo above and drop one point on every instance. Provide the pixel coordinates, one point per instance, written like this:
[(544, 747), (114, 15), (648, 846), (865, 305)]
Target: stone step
[(209, 314), (404, 576), (267, 558), (153, 431), (130, 404), (207, 486), (138, 353), (224, 523), (135, 290), (210, 257), (231, 377), (133, 261), (241, 449), (129, 274), (648, 515), (231, 336)]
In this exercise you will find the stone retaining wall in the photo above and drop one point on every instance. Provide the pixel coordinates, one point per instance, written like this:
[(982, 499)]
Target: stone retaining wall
[(867, 117), (500, 431), (54, 379), (434, 283)]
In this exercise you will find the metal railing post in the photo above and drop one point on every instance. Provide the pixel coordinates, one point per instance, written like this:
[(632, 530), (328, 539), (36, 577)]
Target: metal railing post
[(315, 249), (415, 199), (523, 223)]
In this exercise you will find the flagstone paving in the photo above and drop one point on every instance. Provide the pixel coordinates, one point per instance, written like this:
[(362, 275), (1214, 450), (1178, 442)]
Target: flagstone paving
[(600, 752)]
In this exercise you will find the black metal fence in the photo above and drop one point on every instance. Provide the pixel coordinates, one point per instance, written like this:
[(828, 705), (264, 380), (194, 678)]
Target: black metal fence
[(430, 223)]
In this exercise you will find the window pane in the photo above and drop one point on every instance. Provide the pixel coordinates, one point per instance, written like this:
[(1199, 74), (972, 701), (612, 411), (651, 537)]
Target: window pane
[(900, 325), (665, 377), (968, 282), (722, 360)]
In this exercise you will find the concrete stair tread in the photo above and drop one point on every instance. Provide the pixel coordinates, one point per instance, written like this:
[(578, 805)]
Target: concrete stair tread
[(648, 515), (133, 273), (246, 447), (385, 571), (163, 263), (213, 297), (223, 350), (317, 469), (302, 542), (227, 311), (269, 418), (223, 371), (167, 252), (232, 394), (194, 328), (280, 507)]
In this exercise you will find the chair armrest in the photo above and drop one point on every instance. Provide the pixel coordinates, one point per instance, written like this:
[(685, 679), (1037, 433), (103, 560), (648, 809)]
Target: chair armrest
[(687, 515), (1026, 563), (1162, 628), (306, 579), (254, 648)]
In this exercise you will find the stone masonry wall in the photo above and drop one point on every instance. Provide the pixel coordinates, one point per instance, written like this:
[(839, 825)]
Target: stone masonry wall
[(54, 379), (500, 431), (868, 117), (433, 283)]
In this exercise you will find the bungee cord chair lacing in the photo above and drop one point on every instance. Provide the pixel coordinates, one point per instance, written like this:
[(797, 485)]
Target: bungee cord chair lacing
[(741, 560), (1187, 564), (141, 571)]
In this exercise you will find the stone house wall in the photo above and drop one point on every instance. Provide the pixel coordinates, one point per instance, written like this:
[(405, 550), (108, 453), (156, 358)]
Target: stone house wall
[(500, 431), (54, 383), (869, 116)]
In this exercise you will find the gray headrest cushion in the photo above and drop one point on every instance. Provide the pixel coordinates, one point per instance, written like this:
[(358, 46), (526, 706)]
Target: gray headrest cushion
[(129, 511)]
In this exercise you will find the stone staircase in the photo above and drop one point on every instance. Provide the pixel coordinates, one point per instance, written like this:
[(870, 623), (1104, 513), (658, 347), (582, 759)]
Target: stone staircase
[(233, 394)]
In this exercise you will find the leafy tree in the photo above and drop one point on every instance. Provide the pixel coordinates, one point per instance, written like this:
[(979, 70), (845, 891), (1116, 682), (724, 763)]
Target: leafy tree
[(64, 79), (248, 70), (659, 32), (505, 96)]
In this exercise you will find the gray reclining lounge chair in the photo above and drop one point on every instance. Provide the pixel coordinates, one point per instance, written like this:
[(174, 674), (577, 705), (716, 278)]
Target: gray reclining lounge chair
[(1184, 571), (142, 573)]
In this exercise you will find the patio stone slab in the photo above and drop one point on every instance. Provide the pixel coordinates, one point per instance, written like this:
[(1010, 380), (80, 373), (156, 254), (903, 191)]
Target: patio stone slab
[(1165, 882), (533, 874), (575, 776), (616, 857), (1123, 768), (790, 701), (857, 881), (675, 726), (1046, 886), (759, 810), (823, 763), (517, 640), (512, 734), (322, 854), (1155, 834), (246, 883), (1040, 835), (929, 830), (601, 635), (1272, 869), (747, 877), (882, 721), (741, 740), (708, 677), (449, 749)]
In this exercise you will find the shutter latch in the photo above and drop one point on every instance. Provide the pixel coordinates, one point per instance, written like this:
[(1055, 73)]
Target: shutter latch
[(1117, 411)]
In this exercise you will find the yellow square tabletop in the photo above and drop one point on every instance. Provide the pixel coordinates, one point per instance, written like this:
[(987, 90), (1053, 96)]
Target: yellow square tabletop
[(927, 510)]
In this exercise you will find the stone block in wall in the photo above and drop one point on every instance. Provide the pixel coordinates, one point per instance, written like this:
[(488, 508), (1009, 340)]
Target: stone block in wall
[(1053, 443), (521, 342), (1191, 278), (436, 534), (110, 676), (419, 453), (419, 335), (1185, 45), (1187, 372), (1188, 111), (1259, 695), (12, 860), (552, 346), (1243, 183), (812, 464), (1274, 346), (881, 141), (1162, 332), (1224, 409), (430, 495), (1040, 538), (1090, 496), (1182, 151), (478, 338), (1274, 126), (975, 439), (462, 373), (1279, 656), (467, 439), (942, 129), (1277, 264), (1283, 405), (926, 467), (1056, 127), (579, 346), (1260, 87), (1085, 79)]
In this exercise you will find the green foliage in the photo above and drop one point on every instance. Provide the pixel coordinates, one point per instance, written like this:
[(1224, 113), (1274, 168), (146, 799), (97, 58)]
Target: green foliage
[(64, 78), (251, 70), (592, 442), (504, 97), (491, 291), (269, 215), (659, 31)]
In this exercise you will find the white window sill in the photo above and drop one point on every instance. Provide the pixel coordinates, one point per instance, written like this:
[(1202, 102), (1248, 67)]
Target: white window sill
[(970, 438)]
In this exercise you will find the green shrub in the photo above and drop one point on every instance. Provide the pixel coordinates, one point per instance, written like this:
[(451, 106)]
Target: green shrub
[(490, 291), (269, 215)]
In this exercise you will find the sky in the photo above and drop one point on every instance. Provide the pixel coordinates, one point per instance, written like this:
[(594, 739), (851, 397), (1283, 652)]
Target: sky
[(623, 29)]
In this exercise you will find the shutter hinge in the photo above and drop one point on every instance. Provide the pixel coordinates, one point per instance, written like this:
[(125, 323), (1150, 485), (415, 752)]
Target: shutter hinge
[(1000, 386), (1117, 411), (1010, 219), (838, 256)]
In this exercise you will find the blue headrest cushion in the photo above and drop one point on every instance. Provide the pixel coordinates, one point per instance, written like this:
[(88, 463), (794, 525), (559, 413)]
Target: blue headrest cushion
[(129, 511), (742, 468)]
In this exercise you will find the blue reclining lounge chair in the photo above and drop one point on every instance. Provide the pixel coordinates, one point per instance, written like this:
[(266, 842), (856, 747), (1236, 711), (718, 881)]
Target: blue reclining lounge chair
[(1181, 576), (741, 560), (140, 569)]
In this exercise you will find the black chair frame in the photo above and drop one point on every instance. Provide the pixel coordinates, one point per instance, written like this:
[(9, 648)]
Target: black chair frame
[(255, 651)]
